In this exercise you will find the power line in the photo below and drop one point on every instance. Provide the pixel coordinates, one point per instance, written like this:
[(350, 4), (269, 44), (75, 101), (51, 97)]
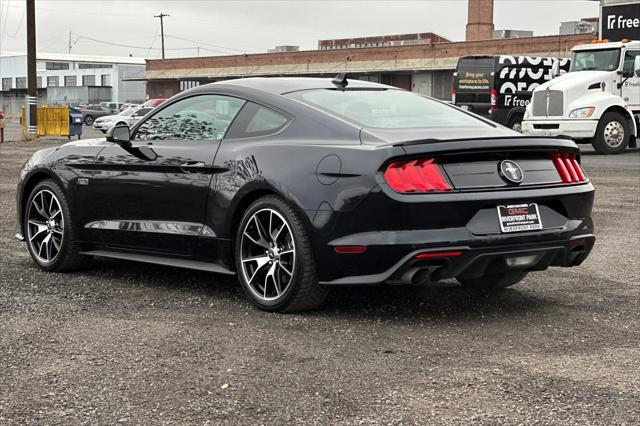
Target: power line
[(24, 11), (152, 42), (206, 44)]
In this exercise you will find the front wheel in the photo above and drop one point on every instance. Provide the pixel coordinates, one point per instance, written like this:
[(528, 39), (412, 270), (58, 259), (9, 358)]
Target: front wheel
[(612, 135), (88, 120), (274, 259), (493, 281), (49, 229)]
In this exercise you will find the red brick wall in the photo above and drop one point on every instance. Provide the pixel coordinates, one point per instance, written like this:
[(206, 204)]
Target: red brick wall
[(550, 45), (162, 89), (434, 38), (480, 20)]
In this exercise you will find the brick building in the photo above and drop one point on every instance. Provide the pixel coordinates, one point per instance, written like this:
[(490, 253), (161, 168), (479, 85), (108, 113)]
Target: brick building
[(422, 68), (419, 62)]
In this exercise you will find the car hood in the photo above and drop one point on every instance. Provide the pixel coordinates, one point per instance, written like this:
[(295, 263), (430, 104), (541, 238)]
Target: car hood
[(107, 118), (85, 142), (573, 79), (395, 136)]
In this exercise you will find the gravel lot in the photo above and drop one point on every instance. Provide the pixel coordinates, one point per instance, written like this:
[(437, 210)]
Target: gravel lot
[(133, 343)]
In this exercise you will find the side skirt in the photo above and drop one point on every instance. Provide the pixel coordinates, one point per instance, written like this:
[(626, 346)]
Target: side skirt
[(159, 260)]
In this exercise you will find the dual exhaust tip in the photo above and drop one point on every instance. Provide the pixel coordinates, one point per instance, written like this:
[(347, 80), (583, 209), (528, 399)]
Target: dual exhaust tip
[(422, 275)]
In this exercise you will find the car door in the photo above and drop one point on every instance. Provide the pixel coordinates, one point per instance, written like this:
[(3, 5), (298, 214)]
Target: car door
[(630, 89), (152, 195)]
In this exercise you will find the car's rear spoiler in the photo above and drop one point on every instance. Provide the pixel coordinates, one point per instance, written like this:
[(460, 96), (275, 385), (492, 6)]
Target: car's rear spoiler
[(492, 138)]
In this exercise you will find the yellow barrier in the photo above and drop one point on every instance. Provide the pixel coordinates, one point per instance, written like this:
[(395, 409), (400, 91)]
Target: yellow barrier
[(52, 121)]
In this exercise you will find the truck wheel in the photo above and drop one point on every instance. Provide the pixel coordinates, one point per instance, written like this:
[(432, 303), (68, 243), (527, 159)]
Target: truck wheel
[(516, 123), (612, 135)]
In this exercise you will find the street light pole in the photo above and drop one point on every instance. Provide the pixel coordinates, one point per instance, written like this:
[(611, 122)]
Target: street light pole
[(162, 16), (32, 80)]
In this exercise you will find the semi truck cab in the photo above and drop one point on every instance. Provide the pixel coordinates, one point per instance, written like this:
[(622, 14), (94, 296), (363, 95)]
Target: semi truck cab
[(597, 101)]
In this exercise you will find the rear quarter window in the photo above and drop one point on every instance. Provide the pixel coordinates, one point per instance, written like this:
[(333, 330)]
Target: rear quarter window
[(256, 120)]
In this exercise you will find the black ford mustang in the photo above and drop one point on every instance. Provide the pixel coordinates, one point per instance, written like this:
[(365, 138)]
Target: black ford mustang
[(295, 184)]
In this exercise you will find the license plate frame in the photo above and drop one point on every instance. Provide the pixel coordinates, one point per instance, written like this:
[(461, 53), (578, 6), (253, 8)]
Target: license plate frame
[(522, 217)]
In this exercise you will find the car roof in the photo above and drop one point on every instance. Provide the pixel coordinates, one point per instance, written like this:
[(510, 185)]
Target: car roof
[(282, 85)]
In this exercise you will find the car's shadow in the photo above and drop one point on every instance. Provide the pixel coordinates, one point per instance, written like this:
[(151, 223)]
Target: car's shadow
[(443, 301)]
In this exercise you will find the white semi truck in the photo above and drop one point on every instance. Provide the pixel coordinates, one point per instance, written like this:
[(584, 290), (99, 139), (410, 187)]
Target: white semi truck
[(597, 101)]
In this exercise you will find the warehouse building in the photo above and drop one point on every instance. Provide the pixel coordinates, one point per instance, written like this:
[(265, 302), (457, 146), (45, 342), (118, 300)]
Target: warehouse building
[(72, 79)]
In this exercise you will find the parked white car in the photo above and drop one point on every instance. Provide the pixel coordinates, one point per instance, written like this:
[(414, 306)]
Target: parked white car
[(129, 116)]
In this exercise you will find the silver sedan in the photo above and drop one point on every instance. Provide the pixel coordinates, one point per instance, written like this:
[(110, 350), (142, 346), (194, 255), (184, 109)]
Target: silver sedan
[(129, 116)]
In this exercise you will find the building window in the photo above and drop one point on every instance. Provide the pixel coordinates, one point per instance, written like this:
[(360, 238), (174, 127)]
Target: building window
[(6, 84), (52, 81), (188, 84), (105, 80), (70, 80), (21, 82), (88, 80), (56, 65), (93, 66), (39, 82)]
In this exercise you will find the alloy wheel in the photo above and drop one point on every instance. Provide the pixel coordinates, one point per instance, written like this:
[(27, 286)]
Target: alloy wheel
[(45, 226), (614, 134), (267, 254)]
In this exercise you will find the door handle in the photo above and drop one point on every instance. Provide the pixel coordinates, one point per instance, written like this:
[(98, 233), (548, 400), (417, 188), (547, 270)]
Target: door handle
[(192, 164)]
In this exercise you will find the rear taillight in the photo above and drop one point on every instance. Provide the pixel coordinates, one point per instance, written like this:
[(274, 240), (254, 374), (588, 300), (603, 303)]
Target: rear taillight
[(568, 167), (494, 99), (453, 95), (416, 176)]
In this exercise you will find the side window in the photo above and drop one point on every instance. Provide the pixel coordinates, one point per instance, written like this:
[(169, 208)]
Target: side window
[(201, 117), (256, 120), (141, 112), (629, 59)]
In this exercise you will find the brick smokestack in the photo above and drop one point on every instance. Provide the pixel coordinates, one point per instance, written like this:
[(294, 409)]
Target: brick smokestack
[(480, 20)]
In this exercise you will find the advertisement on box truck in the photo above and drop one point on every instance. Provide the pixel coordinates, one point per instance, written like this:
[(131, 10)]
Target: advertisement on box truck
[(500, 87)]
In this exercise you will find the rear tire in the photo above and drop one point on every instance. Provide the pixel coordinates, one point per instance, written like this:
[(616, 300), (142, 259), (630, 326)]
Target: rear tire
[(274, 258), (49, 230), (494, 281), (612, 135)]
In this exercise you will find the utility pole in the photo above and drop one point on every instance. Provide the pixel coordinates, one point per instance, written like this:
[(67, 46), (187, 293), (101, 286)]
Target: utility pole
[(162, 16), (32, 80), (69, 41)]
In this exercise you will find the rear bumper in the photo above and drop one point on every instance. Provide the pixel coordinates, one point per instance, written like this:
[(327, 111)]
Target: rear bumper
[(393, 232), (577, 129), (469, 262)]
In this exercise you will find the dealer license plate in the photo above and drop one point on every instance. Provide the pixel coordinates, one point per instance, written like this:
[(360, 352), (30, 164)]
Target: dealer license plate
[(519, 217), (465, 107)]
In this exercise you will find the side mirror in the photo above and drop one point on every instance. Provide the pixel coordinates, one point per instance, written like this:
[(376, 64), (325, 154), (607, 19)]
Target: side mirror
[(555, 68), (636, 65), (119, 134)]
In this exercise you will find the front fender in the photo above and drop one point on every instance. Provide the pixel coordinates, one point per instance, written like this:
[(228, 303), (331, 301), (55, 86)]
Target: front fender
[(601, 101)]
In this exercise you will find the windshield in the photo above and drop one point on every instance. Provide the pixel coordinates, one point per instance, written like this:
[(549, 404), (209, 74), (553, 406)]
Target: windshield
[(475, 73), (387, 109), (127, 112), (600, 60)]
